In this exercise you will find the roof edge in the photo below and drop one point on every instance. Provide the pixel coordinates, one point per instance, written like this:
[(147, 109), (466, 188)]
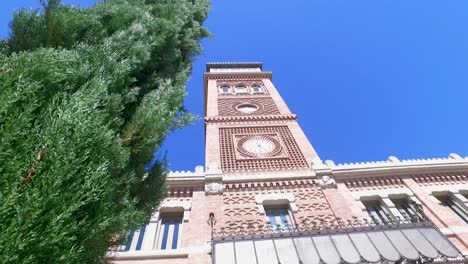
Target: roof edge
[(227, 65)]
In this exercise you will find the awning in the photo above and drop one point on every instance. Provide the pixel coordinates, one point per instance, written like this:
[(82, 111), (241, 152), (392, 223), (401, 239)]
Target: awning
[(391, 245)]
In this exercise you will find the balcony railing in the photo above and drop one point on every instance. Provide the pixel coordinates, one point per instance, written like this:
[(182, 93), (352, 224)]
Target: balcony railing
[(333, 225), (410, 239)]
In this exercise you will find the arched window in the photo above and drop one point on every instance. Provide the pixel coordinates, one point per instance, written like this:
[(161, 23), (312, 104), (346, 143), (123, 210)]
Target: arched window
[(241, 89), (257, 89), (225, 89)]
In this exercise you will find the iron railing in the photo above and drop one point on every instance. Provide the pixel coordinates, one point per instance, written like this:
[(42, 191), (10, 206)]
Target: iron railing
[(329, 225)]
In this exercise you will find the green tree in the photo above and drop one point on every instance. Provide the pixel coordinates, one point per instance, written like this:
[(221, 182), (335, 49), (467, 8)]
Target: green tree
[(86, 96)]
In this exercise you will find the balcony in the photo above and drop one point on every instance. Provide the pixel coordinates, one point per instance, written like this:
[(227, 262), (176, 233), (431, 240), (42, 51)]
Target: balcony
[(409, 240)]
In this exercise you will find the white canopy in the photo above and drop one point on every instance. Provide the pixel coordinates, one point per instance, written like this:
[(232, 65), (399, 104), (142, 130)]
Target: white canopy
[(371, 246)]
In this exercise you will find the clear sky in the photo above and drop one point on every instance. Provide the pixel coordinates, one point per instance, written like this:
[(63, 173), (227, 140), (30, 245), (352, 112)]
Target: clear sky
[(368, 79)]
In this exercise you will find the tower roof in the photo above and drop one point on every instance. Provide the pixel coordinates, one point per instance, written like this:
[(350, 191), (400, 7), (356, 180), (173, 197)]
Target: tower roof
[(227, 65)]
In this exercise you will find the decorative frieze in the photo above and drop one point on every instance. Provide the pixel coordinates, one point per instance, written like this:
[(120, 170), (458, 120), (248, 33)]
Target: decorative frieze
[(249, 119), (442, 178), (373, 183), (259, 106), (270, 184), (232, 76), (180, 192)]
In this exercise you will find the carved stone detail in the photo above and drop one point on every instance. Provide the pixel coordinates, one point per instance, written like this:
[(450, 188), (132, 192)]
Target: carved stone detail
[(327, 182), (214, 188)]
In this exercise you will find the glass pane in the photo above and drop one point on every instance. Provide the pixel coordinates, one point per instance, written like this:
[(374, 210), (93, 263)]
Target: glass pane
[(241, 89), (169, 231), (140, 237), (456, 208), (406, 210), (376, 212), (257, 89), (278, 217)]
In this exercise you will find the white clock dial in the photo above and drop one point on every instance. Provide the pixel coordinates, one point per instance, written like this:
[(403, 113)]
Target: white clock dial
[(259, 146), (247, 108)]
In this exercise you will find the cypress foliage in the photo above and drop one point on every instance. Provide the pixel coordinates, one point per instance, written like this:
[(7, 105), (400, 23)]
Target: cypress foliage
[(86, 96)]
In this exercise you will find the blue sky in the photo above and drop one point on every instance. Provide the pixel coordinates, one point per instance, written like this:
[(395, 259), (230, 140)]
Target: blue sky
[(367, 79)]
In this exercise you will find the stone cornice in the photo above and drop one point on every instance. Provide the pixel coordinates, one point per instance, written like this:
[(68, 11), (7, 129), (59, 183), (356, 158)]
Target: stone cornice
[(392, 167), (237, 75), (233, 186), (246, 177), (181, 179), (256, 118)]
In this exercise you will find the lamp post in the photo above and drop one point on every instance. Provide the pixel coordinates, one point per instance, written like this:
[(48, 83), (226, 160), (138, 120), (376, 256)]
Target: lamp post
[(211, 222)]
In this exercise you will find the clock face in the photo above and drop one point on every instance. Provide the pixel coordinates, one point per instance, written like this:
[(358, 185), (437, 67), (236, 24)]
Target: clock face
[(259, 146), (247, 108)]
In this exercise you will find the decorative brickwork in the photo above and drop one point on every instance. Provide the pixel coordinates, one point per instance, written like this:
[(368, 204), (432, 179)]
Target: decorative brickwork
[(241, 76), (312, 206), (229, 162), (241, 211), (267, 185), (374, 183), (442, 178), (230, 106), (248, 84), (181, 192), (253, 119), (240, 83)]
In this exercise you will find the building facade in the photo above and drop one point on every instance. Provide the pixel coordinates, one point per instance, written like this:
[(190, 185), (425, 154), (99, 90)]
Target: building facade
[(265, 196)]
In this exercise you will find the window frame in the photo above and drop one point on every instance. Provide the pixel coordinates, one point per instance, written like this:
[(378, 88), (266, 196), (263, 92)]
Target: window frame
[(410, 213), (287, 219), (241, 86), (287, 200), (261, 90), (381, 217), (229, 89), (449, 201), (162, 232)]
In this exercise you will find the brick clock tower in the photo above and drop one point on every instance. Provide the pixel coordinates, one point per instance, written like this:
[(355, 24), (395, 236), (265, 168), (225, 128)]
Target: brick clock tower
[(266, 197), (249, 127)]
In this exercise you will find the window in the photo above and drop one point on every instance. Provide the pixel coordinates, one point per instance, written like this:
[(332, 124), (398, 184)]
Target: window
[(135, 239), (376, 212), (225, 89), (406, 209), (169, 231), (241, 89), (278, 218), (458, 209), (257, 89)]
